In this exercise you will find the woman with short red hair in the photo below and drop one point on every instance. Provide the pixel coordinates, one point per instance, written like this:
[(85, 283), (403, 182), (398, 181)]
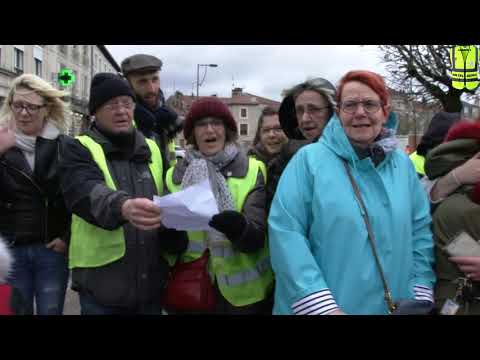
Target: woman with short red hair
[(358, 214)]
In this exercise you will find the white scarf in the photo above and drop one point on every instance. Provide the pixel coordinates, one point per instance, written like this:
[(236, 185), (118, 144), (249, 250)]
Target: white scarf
[(26, 143)]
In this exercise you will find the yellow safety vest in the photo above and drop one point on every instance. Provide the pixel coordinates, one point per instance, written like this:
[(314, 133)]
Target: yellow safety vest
[(464, 59), (90, 245), (418, 162), (243, 279)]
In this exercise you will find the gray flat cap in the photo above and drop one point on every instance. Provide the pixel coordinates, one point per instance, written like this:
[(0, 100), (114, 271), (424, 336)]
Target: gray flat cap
[(141, 62)]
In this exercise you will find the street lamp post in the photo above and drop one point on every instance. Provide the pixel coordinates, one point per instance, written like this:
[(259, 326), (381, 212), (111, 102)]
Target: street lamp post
[(198, 74)]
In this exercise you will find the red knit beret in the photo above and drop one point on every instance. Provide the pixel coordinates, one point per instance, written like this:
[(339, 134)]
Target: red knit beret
[(208, 107)]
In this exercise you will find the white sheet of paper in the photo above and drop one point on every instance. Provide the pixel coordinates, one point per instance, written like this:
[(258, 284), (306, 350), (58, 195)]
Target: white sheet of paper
[(190, 209)]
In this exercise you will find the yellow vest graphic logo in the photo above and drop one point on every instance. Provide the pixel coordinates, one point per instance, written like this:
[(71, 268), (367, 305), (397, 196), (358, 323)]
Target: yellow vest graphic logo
[(464, 72)]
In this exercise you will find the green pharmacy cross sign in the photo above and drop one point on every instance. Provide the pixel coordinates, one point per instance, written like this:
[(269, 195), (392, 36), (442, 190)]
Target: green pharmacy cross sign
[(66, 77)]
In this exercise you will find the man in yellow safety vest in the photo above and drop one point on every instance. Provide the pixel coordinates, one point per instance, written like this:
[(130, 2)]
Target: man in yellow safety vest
[(109, 177)]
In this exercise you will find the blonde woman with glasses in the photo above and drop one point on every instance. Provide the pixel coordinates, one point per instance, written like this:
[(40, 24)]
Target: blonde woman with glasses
[(33, 217)]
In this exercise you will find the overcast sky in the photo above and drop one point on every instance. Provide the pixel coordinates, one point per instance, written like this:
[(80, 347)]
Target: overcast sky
[(263, 70)]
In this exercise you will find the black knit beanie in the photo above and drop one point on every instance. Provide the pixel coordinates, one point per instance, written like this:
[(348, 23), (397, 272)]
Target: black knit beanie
[(106, 86), (437, 130)]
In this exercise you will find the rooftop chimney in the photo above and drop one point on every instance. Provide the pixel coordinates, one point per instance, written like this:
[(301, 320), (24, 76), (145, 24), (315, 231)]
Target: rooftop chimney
[(237, 92)]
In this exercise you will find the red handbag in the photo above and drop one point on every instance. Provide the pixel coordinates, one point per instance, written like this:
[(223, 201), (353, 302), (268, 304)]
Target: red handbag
[(5, 300), (189, 288)]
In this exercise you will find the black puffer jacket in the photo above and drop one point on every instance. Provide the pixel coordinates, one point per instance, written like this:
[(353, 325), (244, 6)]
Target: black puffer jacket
[(139, 277), (32, 209), (278, 164)]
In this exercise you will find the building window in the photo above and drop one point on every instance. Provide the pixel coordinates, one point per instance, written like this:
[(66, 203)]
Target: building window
[(244, 129), (18, 59), (38, 67), (85, 86), (243, 113), (75, 83), (63, 49), (85, 55)]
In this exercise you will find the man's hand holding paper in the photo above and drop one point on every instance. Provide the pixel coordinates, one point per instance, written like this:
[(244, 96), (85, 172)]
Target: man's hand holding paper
[(142, 213)]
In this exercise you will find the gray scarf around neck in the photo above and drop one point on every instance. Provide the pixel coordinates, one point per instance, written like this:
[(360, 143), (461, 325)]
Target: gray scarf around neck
[(26, 143), (201, 167), (387, 140)]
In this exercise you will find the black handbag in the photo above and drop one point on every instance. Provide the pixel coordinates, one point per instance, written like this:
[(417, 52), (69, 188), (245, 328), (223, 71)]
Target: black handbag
[(401, 307)]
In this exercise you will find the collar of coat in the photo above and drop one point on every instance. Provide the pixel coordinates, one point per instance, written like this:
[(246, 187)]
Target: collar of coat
[(163, 119), (238, 168), (141, 152)]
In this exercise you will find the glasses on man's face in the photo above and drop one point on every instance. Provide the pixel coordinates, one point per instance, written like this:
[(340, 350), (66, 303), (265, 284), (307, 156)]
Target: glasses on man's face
[(275, 130), (31, 109), (309, 109), (370, 106), (203, 124), (126, 104)]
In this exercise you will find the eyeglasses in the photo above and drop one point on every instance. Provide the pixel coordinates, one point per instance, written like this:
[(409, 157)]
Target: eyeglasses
[(112, 106), (309, 109), (203, 124), (370, 106), (276, 130), (31, 109)]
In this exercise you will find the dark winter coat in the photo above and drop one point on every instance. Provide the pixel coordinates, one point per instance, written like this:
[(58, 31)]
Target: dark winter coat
[(32, 208), (437, 130), (140, 276), (278, 164), (162, 125)]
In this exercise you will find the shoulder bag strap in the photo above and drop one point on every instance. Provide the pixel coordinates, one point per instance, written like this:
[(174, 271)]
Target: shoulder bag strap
[(371, 238)]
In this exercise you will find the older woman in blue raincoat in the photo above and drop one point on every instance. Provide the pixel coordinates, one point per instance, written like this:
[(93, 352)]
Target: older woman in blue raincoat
[(319, 243)]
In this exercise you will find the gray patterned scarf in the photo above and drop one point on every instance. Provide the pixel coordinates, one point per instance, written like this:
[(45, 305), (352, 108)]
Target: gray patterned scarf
[(387, 140), (201, 167)]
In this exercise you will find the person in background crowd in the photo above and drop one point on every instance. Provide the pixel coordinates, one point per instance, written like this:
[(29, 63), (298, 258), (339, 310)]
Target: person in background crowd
[(319, 244), (239, 264), (467, 173), (155, 119), (269, 138), (304, 113), (436, 131), (109, 178), (33, 218), (458, 212)]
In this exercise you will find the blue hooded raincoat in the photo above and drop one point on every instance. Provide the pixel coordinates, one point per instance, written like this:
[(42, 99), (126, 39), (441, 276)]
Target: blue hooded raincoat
[(319, 244)]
